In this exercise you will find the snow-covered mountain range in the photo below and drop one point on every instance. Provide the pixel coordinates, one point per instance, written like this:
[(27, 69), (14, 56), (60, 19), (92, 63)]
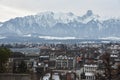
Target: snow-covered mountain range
[(50, 25)]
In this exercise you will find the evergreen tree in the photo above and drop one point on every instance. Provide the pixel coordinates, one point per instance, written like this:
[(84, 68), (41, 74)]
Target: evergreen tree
[(4, 56)]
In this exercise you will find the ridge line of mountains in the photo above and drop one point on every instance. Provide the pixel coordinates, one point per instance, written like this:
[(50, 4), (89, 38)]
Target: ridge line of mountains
[(50, 25)]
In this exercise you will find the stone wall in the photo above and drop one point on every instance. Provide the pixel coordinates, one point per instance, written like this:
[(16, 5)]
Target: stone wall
[(10, 76)]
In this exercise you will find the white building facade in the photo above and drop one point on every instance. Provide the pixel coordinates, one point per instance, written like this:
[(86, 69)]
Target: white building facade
[(90, 70)]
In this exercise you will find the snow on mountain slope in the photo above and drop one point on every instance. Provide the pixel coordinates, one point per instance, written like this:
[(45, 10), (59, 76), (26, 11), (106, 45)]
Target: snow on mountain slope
[(49, 19), (62, 25), (1, 24), (89, 16)]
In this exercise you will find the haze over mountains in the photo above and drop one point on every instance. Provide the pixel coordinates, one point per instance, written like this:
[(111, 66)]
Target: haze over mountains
[(50, 25)]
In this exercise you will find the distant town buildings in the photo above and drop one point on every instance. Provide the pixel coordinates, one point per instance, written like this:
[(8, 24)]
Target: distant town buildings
[(68, 61)]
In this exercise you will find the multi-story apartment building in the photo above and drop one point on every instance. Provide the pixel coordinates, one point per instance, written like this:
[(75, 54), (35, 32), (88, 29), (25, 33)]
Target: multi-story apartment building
[(90, 70), (65, 62)]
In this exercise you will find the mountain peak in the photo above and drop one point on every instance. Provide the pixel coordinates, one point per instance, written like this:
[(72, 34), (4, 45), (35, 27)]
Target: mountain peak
[(89, 13), (55, 13), (60, 24), (46, 13)]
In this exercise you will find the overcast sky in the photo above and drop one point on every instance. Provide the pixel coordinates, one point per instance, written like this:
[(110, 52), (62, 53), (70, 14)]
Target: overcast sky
[(13, 8)]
